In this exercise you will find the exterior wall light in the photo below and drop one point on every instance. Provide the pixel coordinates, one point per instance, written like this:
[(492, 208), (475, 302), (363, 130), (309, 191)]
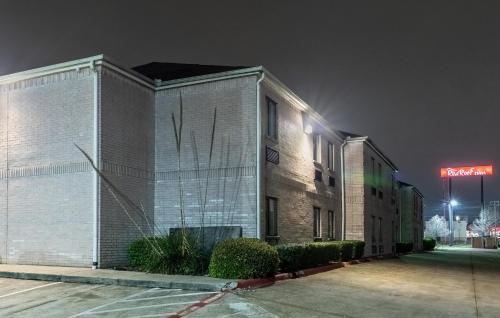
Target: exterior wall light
[(306, 123)]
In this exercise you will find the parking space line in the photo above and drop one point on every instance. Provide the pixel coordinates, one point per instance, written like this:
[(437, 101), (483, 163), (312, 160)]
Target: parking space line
[(29, 289), (89, 311), (167, 296), (140, 307), (152, 290), (154, 315)]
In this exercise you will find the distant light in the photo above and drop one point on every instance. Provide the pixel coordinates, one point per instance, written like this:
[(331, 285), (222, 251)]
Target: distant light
[(457, 218), (453, 203), (308, 129)]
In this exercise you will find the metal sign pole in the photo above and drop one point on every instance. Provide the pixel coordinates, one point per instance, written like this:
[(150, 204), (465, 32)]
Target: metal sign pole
[(450, 211)]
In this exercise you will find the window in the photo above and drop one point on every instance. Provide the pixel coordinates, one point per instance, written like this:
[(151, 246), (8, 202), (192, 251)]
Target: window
[(331, 225), (373, 181), (272, 217), (331, 181), (393, 233), (317, 222), (331, 153), (380, 229), (272, 124), (318, 175), (373, 230), (379, 178), (317, 147)]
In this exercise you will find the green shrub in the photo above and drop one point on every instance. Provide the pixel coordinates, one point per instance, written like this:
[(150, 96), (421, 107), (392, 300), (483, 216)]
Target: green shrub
[(346, 250), (300, 256), (359, 249), (144, 257), (292, 257), (168, 254), (402, 248), (429, 243), (243, 258)]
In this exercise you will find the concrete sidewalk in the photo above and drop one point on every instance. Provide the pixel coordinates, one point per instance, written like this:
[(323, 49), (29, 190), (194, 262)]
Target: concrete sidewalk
[(114, 277)]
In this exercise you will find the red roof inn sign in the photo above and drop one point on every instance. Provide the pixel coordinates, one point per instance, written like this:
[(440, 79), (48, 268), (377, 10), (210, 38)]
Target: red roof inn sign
[(468, 171)]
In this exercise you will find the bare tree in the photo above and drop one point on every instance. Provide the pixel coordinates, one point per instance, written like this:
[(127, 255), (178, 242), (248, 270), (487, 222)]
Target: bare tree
[(436, 227), (484, 222)]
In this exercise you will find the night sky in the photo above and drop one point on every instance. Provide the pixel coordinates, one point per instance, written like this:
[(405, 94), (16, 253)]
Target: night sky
[(421, 78)]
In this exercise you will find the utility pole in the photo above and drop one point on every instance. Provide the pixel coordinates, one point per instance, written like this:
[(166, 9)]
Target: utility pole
[(482, 193), (450, 211)]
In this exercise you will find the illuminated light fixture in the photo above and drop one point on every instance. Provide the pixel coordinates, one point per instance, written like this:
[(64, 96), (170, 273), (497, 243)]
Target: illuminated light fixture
[(306, 123), (453, 203), (457, 218)]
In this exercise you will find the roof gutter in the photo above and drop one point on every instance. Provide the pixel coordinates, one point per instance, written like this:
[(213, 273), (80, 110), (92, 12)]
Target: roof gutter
[(258, 169), (97, 161)]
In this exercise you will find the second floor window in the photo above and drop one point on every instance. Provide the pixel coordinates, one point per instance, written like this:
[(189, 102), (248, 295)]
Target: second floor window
[(316, 147), (272, 123), (331, 153)]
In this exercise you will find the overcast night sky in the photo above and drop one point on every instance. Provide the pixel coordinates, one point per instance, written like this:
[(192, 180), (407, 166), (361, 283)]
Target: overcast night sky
[(421, 78)]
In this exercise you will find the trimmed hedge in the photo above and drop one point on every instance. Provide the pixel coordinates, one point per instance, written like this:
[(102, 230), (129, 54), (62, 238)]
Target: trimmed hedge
[(359, 249), (294, 257), (243, 258), (166, 254), (402, 248), (429, 243), (346, 250), (291, 256)]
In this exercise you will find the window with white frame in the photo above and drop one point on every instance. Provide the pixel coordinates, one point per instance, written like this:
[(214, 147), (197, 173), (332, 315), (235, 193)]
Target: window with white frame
[(317, 222), (272, 121), (317, 147), (331, 153)]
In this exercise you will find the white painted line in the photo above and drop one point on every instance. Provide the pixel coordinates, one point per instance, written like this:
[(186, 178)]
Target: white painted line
[(152, 290), (168, 296), (89, 311), (29, 289), (154, 315), (140, 307)]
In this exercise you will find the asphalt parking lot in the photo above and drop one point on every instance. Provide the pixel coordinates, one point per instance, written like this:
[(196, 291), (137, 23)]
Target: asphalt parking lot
[(26, 298), (449, 282)]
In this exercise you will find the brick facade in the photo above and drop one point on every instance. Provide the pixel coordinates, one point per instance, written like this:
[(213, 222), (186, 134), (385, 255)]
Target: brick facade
[(411, 209), (371, 197), (47, 199)]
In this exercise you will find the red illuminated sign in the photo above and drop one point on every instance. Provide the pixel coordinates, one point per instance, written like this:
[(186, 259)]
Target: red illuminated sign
[(466, 171)]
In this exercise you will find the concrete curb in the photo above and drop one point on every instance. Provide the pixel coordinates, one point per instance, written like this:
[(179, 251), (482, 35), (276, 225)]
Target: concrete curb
[(263, 282), (195, 286)]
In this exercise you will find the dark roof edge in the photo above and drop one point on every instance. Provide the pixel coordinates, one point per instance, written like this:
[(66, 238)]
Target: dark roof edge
[(372, 145)]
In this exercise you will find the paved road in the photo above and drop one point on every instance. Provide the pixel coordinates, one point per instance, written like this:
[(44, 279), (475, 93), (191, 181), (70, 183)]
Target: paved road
[(446, 283)]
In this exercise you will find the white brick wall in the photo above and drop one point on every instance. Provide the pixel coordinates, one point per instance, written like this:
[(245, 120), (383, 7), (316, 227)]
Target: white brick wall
[(45, 215), (127, 152), (230, 199)]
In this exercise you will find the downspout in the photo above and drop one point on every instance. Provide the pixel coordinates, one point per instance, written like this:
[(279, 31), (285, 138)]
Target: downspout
[(96, 181), (258, 154), (342, 168)]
